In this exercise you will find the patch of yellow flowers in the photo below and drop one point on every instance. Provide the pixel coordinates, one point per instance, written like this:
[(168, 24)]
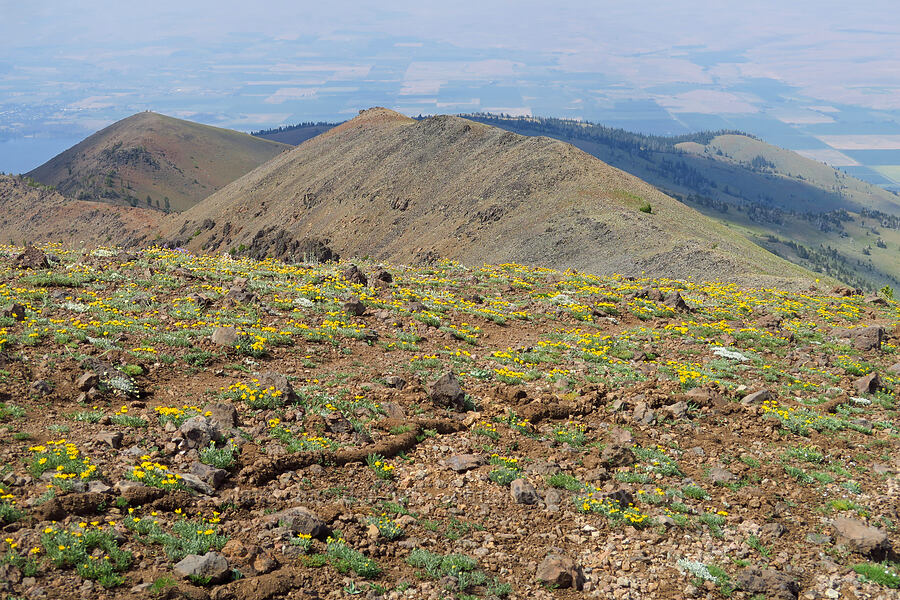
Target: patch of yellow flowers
[(63, 457), (154, 474), (254, 394)]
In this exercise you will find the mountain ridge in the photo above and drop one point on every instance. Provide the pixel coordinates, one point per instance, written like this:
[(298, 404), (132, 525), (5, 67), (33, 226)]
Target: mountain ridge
[(818, 217), (154, 161), (801, 209), (401, 189)]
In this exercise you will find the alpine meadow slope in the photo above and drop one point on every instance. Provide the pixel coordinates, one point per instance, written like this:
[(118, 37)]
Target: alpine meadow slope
[(398, 189), (154, 161)]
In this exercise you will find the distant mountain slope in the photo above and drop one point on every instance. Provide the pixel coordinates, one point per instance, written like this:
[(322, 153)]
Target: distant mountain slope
[(834, 189), (294, 134), (33, 213), (391, 187), (804, 210), (154, 161)]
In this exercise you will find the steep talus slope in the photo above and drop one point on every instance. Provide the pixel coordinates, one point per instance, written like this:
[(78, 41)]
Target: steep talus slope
[(35, 214), (154, 161), (387, 186)]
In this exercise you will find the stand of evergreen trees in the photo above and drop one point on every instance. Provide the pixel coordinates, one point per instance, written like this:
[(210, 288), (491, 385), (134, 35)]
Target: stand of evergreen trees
[(620, 139), (285, 128)]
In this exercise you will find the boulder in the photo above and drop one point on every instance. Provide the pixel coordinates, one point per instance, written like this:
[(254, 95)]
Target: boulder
[(250, 558), (464, 462), (273, 379), (773, 584), (447, 392), (353, 275), (523, 492), (113, 439), (560, 572), (197, 484), (224, 336), (614, 456), (137, 493), (300, 520), (675, 411), (87, 381), (238, 295), (335, 422), (862, 338), (197, 432), (676, 302), (842, 290), (757, 397), (875, 299), (212, 567), (222, 415), (97, 487), (652, 294), (867, 384), (643, 414), (32, 258), (859, 537), (202, 302), (382, 277), (354, 307), (720, 476), (211, 475)]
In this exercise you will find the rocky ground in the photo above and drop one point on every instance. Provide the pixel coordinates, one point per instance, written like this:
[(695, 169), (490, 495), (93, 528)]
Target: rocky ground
[(201, 427)]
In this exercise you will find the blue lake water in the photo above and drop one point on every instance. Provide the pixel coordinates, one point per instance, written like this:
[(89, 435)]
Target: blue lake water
[(23, 154)]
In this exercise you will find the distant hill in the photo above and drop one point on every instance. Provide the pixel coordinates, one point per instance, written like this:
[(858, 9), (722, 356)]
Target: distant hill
[(31, 212), (806, 211), (395, 188), (294, 134), (154, 161)]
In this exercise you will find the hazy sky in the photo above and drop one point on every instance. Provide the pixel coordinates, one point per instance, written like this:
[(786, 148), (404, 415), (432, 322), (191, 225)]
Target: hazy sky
[(68, 68), (520, 24)]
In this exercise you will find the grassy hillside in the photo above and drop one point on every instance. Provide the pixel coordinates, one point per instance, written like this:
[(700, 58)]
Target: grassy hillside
[(759, 156), (399, 189), (808, 212), (154, 161), (31, 212)]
